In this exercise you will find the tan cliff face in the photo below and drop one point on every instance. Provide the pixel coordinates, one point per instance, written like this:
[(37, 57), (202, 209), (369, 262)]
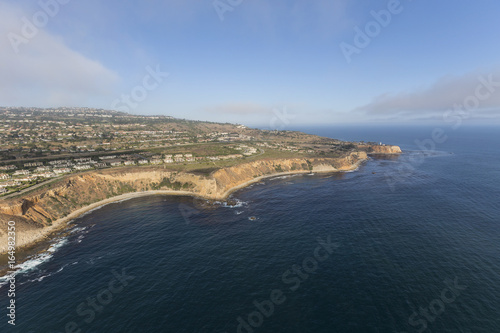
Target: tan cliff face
[(228, 178), (381, 149), (44, 207)]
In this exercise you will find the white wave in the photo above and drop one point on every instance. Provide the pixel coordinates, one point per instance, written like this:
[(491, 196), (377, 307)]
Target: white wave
[(43, 275), (256, 184), (238, 212), (285, 176), (34, 261), (238, 204), (5, 279), (88, 212), (82, 231), (61, 242), (119, 201), (78, 229)]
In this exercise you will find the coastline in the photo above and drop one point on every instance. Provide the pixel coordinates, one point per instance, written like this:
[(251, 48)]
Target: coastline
[(30, 238)]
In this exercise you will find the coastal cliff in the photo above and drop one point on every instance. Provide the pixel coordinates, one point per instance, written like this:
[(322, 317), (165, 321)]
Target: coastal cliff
[(380, 149), (48, 209)]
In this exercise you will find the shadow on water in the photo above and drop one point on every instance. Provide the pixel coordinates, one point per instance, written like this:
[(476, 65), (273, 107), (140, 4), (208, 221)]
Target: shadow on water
[(382, 157)]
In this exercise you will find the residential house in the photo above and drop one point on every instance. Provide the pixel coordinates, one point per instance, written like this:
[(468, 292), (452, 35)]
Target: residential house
[(10, 183), (82, 167), (21, 172), (61, 171)]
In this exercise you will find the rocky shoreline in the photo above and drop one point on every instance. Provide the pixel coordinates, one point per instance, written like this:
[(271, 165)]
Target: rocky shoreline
[(46, 211)]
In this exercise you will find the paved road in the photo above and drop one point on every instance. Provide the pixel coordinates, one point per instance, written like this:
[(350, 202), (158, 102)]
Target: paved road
[(31, 188)]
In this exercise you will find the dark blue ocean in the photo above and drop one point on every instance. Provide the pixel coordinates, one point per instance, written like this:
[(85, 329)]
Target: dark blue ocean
[(404, 244)]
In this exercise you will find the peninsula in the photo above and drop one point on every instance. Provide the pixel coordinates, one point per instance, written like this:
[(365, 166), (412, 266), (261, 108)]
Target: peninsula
[(57, 164)]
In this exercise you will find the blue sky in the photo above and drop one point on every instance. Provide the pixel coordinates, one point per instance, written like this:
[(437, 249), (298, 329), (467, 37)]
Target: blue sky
[(247, 61)]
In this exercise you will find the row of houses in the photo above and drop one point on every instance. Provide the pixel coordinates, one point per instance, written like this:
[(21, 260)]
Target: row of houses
[(60, 167), (179, 158), (60, 162), (224, 157), (33, 164), (8, 167), (10, 183), (170, 158)]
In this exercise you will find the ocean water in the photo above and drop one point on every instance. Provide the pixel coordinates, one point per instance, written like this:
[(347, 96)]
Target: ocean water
[(404, 244)]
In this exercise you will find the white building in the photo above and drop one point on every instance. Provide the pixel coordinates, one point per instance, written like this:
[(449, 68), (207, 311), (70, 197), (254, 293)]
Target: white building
[(44, 175), (82, 167), (9, 184), (21, 172), (61, 171), (34, 164)]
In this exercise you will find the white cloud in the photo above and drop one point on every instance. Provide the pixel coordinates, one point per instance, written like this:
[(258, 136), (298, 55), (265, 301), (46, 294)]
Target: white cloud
[(44, 71), (443, 95)]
